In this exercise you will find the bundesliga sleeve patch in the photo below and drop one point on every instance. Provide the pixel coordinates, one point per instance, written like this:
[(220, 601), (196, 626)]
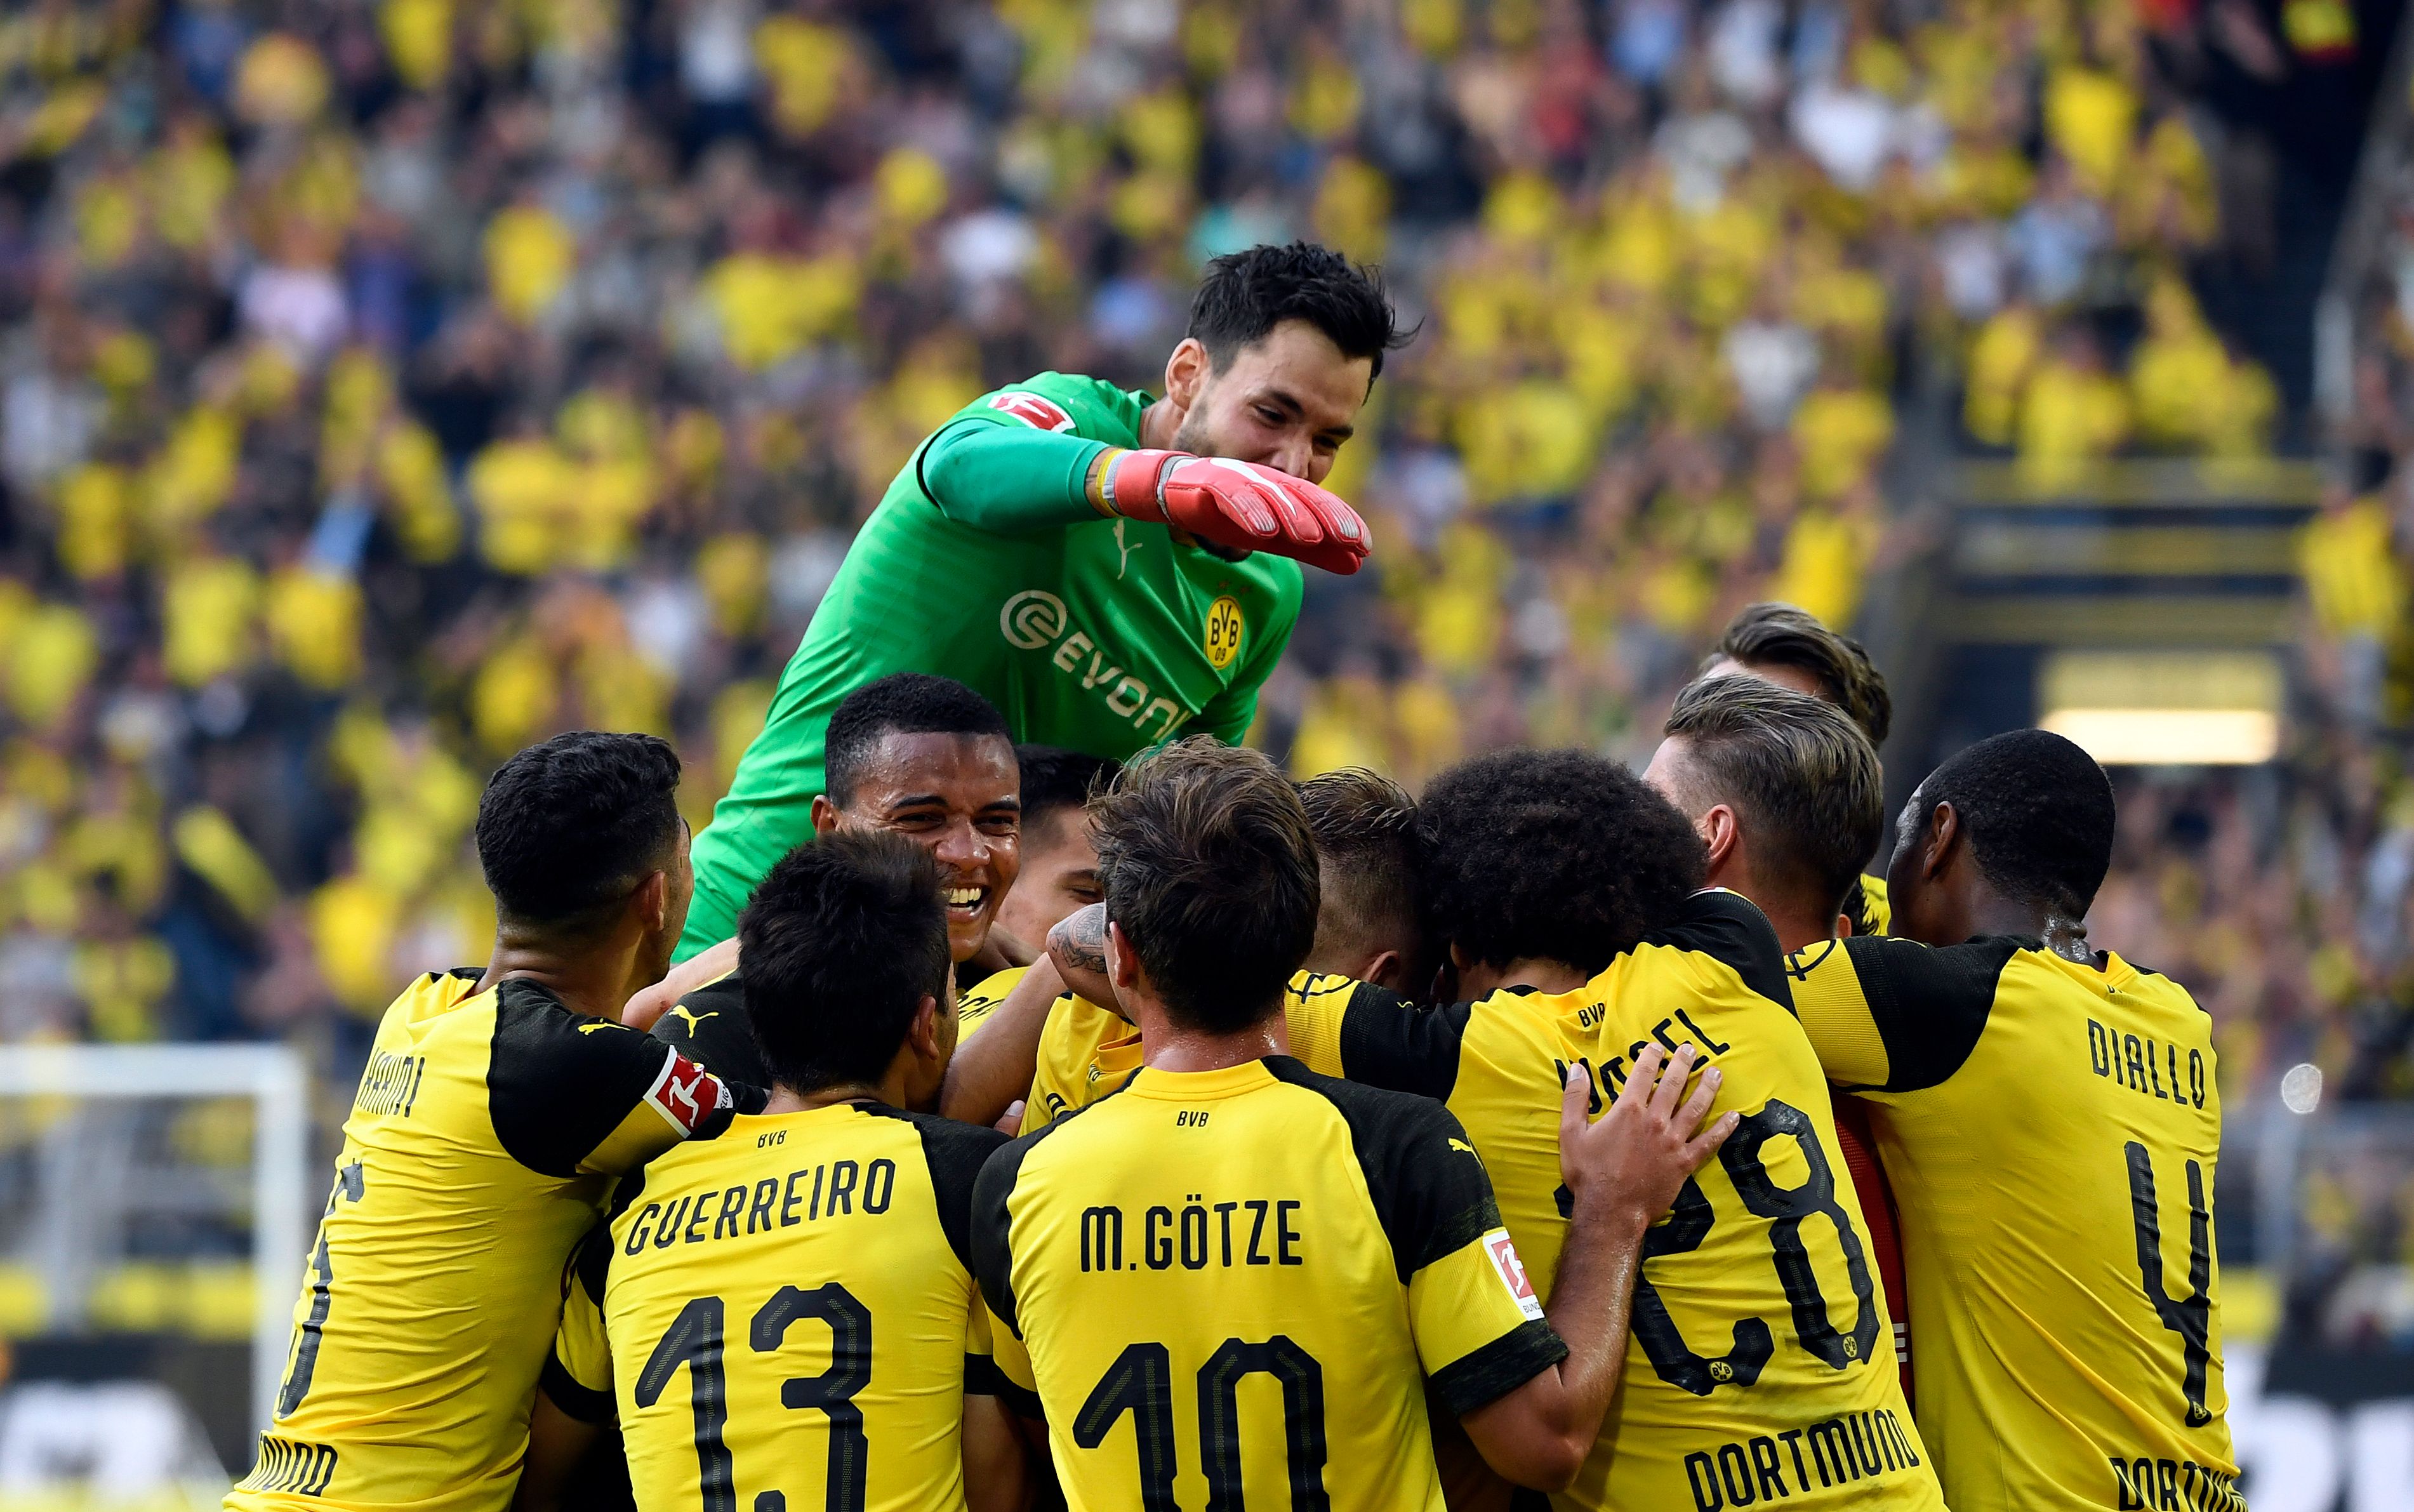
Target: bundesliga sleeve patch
[(685, 1093), (1037, 411), (1512, 1272)]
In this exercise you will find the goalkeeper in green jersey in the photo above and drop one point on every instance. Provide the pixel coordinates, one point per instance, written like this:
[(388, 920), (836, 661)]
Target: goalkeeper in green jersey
[(1108, 568)]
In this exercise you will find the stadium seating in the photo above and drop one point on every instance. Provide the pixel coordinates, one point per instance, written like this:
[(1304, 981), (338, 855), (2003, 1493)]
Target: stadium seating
[(384, 393)]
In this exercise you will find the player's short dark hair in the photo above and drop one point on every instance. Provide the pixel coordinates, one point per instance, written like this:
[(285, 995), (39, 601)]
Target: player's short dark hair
[(1210, 871), (841, 943), (901, 703), (1372, 852), (567, 827), (1782, 635), (1246, 294), (1552, 855), (1799, 774), (2038, 814), (1056, 780)]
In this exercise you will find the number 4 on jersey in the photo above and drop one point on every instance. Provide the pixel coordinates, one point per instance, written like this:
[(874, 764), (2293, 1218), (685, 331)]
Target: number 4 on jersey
[(2192, 1318), (348, 1187)]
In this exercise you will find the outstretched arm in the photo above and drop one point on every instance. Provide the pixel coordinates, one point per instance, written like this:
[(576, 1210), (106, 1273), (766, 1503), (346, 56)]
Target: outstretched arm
[(1010, 477)]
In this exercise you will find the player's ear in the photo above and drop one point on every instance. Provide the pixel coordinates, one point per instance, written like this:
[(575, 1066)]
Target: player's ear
[(1388, 970), (1123, 961), (930, 1033), (651, 901), (1943, 839), (1720, 830), (825, 815), (1185, 373), (1843, 930)]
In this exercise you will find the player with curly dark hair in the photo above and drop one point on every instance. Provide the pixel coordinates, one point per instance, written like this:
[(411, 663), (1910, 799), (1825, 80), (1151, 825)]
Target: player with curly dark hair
[(1568, 893), (1544, 866)]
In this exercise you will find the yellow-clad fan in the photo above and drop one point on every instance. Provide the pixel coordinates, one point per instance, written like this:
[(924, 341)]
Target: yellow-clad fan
[(919, 755), (2050, 1118), (1369, 926), (785, 1314), (495, 1109), (1226, 1282), (1565, 891)]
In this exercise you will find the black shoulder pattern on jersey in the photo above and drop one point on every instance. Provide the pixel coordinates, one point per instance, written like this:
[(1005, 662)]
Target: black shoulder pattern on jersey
[(1931, 1005), (579, 1403), (1730, 929), (992, 1252), (1430, 1190), (558, 1083), (1387, 1041), (591, 1262), (709, 1026), (955, 1153), (1499, 1368)]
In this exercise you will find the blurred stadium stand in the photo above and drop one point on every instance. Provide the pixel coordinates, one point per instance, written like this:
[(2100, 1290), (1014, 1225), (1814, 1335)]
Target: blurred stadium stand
[(385, 383)]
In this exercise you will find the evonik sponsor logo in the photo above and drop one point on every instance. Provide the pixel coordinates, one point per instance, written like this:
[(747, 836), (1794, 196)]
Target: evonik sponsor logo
[(1035, 620)]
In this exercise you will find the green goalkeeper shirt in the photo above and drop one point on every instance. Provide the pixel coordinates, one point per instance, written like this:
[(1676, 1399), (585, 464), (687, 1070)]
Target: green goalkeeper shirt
[(986, 562)]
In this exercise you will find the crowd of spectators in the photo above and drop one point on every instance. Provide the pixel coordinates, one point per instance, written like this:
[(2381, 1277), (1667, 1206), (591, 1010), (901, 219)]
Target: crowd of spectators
[(386, 383)]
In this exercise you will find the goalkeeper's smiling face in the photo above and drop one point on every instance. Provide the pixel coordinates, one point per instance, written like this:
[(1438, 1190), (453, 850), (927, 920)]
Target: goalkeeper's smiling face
[(960, 797), (1287, 400)]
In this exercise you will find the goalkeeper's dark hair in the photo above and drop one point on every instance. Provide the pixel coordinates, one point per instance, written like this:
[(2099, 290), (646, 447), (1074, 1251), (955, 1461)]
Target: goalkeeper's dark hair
[(1210, 872), (2038, 811), (1055, 781), (568, 829), (1552, 855), (841, 942), (1372, 851), (901, 703), (1246, 294), (1801, 777), (1782, 635)]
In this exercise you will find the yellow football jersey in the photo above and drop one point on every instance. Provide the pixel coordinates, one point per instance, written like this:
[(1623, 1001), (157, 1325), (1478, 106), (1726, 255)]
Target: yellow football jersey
[(479, 1145), (1087, 1050), (1231, 1286), (785, 1315), (975, 1004), (2051, 1130), (1876, 910), (1761, 1365)]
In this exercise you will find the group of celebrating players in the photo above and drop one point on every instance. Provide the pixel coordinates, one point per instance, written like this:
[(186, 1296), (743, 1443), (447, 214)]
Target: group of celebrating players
[(1561, 1136)]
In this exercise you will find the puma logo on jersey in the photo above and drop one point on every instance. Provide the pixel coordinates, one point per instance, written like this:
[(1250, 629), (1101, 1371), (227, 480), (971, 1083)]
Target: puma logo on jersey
[(599, 1023), (694, 1021), (1462, 1145)]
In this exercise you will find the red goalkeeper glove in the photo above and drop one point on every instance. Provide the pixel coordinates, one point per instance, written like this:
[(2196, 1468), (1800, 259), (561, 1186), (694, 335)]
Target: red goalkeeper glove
[(1237, 505)]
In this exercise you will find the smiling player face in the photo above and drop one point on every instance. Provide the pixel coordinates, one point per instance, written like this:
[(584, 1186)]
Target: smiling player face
[(960, 798), (1287, 401)]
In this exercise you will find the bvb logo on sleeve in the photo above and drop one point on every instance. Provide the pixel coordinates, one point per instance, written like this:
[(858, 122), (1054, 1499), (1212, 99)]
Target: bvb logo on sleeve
[(1225, 628)]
